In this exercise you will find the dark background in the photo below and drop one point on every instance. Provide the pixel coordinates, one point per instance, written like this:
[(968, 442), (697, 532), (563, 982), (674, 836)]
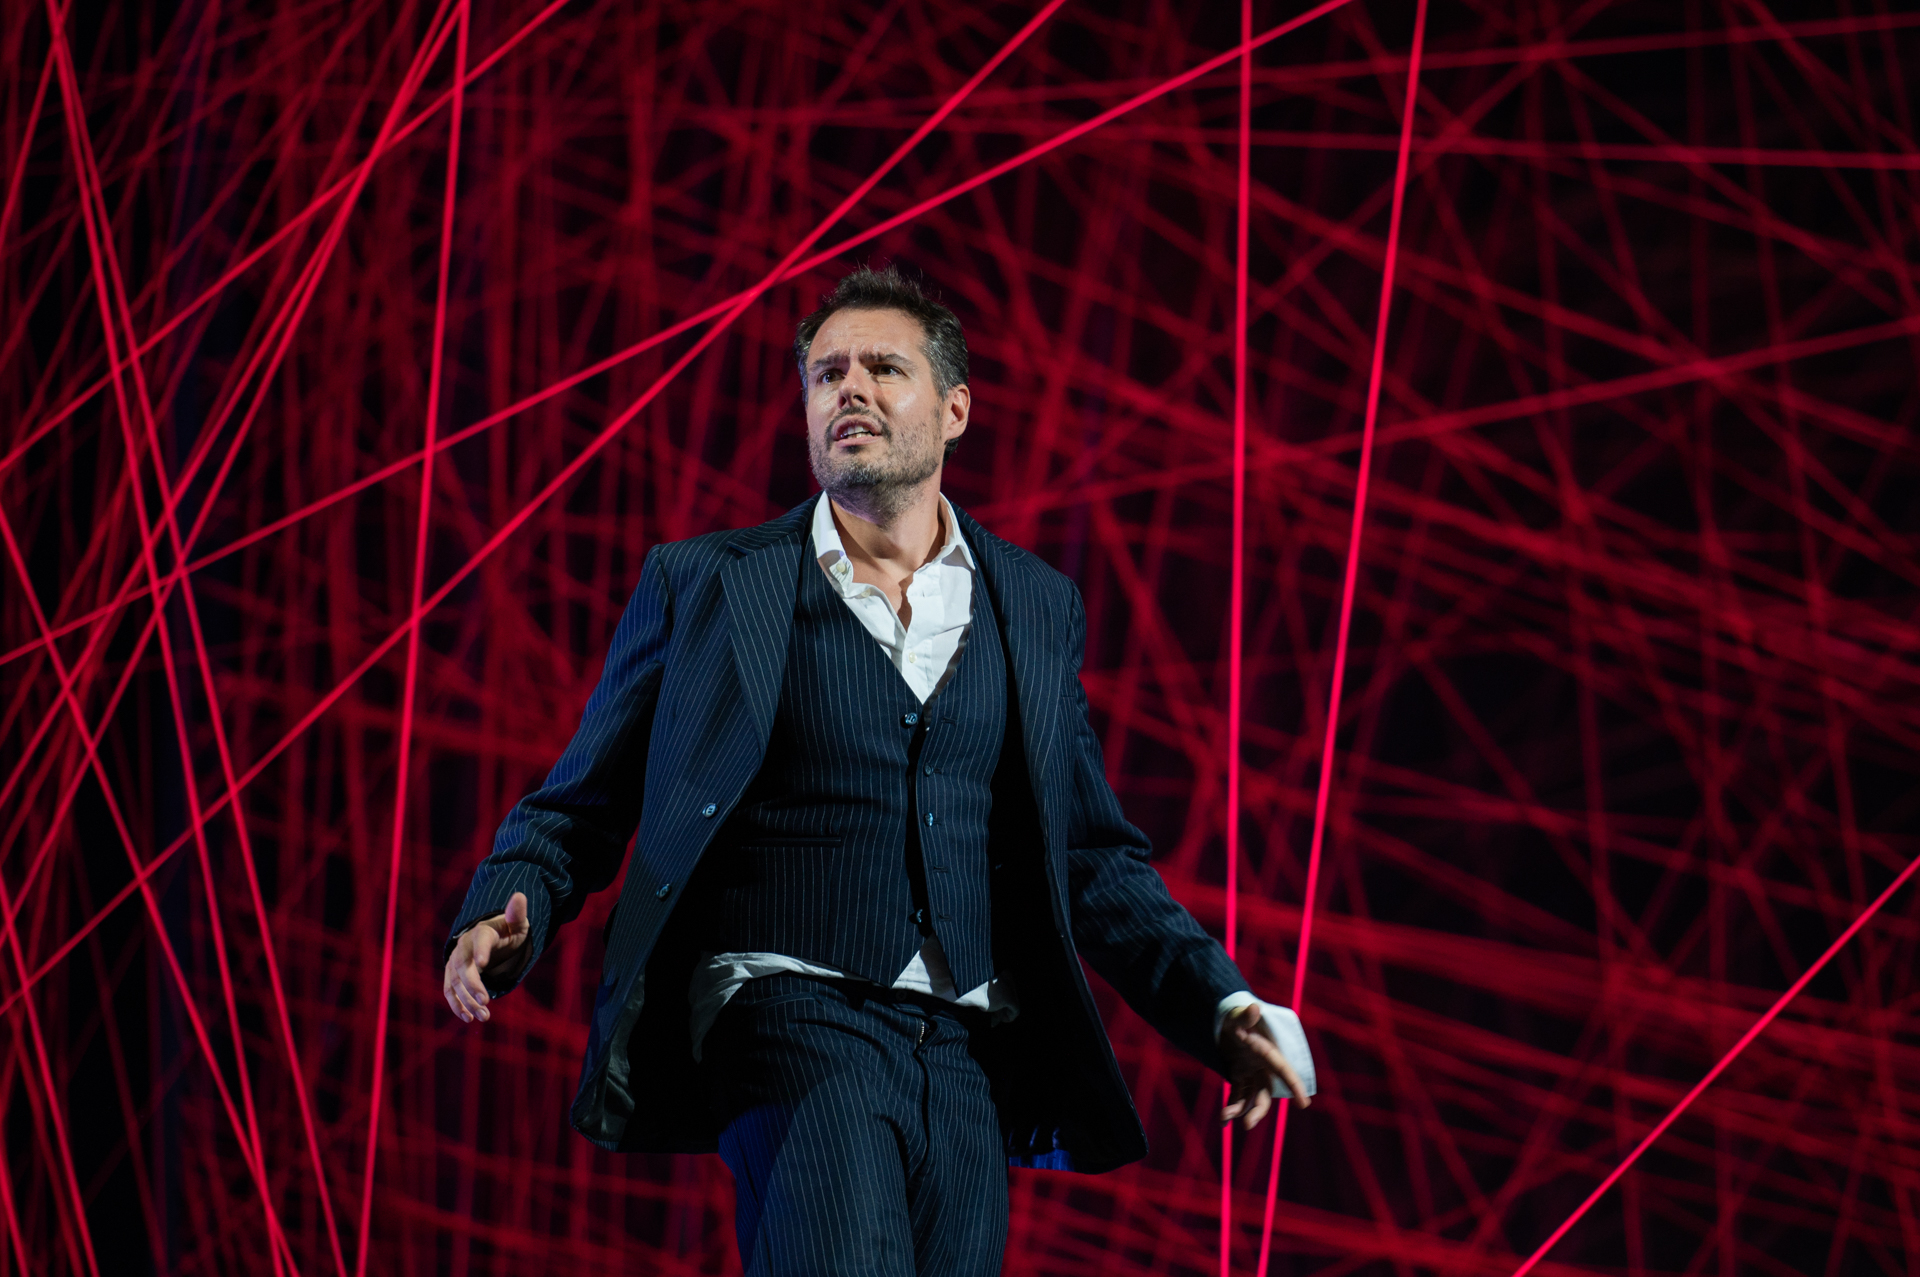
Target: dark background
[(1629, 728)]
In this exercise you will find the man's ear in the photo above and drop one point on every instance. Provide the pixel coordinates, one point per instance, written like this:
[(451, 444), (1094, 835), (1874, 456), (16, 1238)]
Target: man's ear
[(954, 412)]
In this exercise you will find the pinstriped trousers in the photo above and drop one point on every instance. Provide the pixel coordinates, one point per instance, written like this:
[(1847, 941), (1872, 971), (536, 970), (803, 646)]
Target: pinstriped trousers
[(860, 1131)]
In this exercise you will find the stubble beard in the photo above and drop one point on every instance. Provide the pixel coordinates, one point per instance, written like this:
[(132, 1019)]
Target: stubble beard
[(883, 486)]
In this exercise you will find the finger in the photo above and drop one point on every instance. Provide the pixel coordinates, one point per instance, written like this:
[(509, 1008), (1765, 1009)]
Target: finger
[(475, 984), (1263, 1047), (477, 1008), (1231, 1111), (504, 936), (495, 924), (458, 996), (1275, 1062), (466, 975), (515, 917), (473, 994), (1295, 1086), (457, 999), (1256, 1110)]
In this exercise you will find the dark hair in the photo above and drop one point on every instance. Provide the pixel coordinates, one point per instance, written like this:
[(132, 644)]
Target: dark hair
[(942, 342)]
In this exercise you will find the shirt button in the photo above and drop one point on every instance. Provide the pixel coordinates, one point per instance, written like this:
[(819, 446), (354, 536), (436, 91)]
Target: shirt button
[(666, 889), (709, 809), (907, 719), (911, 658)]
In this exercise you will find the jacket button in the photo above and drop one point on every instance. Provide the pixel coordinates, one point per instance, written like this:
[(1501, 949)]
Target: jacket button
[(909, 718), (666, 889), (709, 809)]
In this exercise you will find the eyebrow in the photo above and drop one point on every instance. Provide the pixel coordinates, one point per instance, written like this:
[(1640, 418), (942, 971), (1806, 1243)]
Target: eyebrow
[(865, 356)]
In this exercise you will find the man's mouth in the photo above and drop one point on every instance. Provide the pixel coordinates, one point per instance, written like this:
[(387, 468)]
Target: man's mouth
[(854, 428)]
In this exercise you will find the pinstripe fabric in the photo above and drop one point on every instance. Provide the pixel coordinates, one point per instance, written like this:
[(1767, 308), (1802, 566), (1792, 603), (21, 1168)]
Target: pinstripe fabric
[(861, 1134), (810, 864), (677, 729)]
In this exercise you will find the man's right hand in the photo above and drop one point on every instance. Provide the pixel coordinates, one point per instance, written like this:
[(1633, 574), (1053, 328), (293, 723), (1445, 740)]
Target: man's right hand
[(497, 945)]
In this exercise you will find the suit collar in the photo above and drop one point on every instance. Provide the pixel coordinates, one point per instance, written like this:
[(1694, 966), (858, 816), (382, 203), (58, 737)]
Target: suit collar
[(991, 552), (791, 525)]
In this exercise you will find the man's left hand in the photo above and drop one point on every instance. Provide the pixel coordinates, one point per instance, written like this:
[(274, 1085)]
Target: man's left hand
[(1253, 1062)]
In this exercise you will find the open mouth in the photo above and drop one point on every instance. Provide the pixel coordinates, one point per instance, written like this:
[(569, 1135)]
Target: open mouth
[(854, 428)]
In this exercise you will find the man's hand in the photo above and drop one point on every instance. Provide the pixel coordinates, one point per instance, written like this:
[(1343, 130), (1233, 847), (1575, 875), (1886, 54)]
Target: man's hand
[(1253, 1062), (497, 945)]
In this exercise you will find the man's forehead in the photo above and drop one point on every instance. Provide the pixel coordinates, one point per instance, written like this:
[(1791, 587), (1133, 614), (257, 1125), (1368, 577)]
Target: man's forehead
[(866, 352), (864, 333)]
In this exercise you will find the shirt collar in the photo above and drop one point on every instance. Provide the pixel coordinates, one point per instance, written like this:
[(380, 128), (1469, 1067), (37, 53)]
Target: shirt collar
[(832, 551)]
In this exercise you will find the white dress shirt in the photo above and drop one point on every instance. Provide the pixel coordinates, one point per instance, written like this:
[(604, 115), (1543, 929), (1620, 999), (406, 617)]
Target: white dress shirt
[(923, 650)]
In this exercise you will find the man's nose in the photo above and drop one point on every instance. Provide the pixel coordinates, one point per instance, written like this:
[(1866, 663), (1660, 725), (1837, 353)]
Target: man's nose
[(856, 387)]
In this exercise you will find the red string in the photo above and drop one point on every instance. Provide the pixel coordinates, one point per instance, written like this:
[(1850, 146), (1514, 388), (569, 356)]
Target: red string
[(1733, 1053), (1236, 620), (423, 529), (1375, 375)]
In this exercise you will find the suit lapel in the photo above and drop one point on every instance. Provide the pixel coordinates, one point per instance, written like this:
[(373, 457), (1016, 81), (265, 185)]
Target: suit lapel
[(759, 584), (1030, 632)]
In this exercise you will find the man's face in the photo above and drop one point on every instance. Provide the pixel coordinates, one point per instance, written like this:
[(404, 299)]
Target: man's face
[(874, 422)]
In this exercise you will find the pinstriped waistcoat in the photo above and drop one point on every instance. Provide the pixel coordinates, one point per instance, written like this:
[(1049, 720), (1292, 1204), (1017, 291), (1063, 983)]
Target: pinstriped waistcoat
[(867, 824)]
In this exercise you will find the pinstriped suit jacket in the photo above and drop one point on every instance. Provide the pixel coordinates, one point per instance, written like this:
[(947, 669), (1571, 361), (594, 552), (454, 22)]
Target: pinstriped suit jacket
[(670, 739)]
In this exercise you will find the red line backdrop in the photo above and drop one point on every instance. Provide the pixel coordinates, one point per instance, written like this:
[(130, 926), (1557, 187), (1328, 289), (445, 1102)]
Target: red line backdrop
[(1630, 729)]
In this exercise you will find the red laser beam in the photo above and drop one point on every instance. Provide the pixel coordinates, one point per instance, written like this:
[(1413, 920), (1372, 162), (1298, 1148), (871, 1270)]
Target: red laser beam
[(1236, 589), (409, 688), (1746, 1039), (1337, 676)]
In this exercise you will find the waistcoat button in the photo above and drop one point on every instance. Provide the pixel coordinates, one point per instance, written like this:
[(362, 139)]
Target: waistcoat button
[(929, 820), (666, 889), (909, 718), (709, 809)]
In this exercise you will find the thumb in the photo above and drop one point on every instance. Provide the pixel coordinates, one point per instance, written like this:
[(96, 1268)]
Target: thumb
[(516, 918)]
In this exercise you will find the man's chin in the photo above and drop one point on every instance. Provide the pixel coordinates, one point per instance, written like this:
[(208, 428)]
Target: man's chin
[(843, 480), (852, 475)]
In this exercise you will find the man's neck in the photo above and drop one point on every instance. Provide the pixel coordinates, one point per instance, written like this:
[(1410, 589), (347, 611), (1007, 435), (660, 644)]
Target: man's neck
[(894, 543)]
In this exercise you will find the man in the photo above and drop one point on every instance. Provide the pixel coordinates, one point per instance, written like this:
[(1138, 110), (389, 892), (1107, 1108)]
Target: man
[(875, 838)]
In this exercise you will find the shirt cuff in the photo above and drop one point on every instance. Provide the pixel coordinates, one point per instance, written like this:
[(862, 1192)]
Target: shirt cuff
[(1282, 1028)]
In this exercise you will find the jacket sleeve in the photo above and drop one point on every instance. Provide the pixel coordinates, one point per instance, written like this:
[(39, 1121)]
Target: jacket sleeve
[(1125, 922), (568, 838)]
